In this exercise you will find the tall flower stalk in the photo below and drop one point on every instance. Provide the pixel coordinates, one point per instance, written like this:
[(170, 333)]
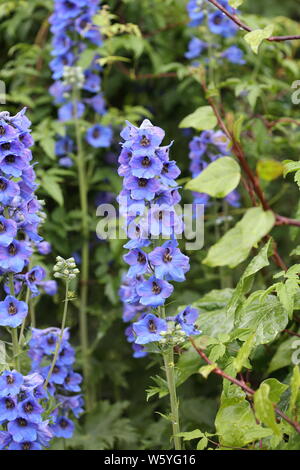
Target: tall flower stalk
[(148, 205), (77, 92)]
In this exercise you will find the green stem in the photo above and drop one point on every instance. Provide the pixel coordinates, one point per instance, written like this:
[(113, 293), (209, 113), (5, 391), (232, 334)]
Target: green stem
[(170, 369), (14, 331), (60, 338), (24, 321), (83, 191)]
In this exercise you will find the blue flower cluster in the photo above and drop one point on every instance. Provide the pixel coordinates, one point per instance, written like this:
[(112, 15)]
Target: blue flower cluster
[(148, 204), (21, 412), (20, 216), (219, 24), (208, 147), (73, 29), (64, 383)]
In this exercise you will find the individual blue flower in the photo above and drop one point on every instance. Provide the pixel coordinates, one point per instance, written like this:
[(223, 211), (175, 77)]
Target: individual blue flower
[(10, 383), (8, 190), (8, 231), (72, 382), (99, 136), (97, 102), (63, 146), (44, 248), (138, 351), (149, 328), (168, 262), (22, 430), (195, 48), (92, 82), (13, 165), (169, 173), (30, 410), (142, 188), (138, 262), (8, 409), (27, 445), (154, 292), (195, 11), (14, 256), (146, 166), (186, 319), (68, 111), (12, 311), (58, 375), (235, 55), (63, 427), (218, 23), (49, 287), (33, 278), (5, 439)]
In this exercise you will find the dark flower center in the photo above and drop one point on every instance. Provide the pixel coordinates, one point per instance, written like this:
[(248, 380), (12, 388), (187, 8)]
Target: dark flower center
[(51, 341), (56, 370), (165, 168), (146, 161), (145, 141), (3, 185), (28, 407), (69, 5), (156, 289), (218, 19), (63, 423), (96, 133), (22, 422), (12, 250), (152, 326), (167, 256), (10, 158), (26, 445), (2, 130), (2, 227), (6, 146), (141, 258), (10, 404), (67, 379), (31, 277), (12, 309), (143, 182), (10, 379), (83, 24)]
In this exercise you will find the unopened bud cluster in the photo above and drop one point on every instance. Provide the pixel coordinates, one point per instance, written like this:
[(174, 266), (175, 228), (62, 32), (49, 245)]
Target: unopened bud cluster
[(73, 76), (65, 268), (173, 336)]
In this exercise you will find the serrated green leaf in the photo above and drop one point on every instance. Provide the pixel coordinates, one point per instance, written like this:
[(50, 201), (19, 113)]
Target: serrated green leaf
[(255, 38), (264, 408), (276, 389), (220, 178), (241, 360)]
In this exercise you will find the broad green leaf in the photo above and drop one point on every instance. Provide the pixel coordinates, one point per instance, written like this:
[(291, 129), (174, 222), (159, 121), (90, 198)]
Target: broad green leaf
[(290, 166), (213, 318), (202, 444), (246, 281), (283, 356), (266, 318), (188, 436), (235, 3), (255, 38), (268, 169), (217, 351), (220, 178), (51, 187), (206, 370), (286, 293), (295, 388), (202, 119), (276, 389), (236, 244), (235, 423), (241, 360), (264, 409)]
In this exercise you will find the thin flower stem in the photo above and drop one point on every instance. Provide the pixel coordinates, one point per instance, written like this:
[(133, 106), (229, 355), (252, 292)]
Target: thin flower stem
[(58, 344), (83, 191), (170, 369), (169, 364)]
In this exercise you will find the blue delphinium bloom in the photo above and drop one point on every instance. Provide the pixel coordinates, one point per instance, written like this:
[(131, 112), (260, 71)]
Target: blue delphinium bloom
[(218, 23), (235, 55), (22, 430), (168, 262), (138, 262), (195, 11), (12, 312), (154, 292), (8, 231), (99, 136), (149, 328), (195, 48), (64, 383), (8, 409), (10, 383), (186, 319)]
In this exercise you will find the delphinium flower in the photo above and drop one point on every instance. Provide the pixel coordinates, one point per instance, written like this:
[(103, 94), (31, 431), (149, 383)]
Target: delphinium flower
[(205, 148), (64, 383), (218, 24), (148, 206), (73, 30), (22, 405)]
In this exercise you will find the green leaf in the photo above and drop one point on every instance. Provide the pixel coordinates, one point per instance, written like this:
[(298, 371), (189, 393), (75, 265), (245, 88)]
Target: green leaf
[(51, 187), (255, 224), (241, 360), (206, 370), (214, 319), (235, 423), (283, 356), (276, 389), (188, 436), (202, 119), (267, 318), (264, 408), (290, 166), (268, 169), (235, 3), (295, 388), (220, 178), (286, 293), (255, 38), (202, 444)]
